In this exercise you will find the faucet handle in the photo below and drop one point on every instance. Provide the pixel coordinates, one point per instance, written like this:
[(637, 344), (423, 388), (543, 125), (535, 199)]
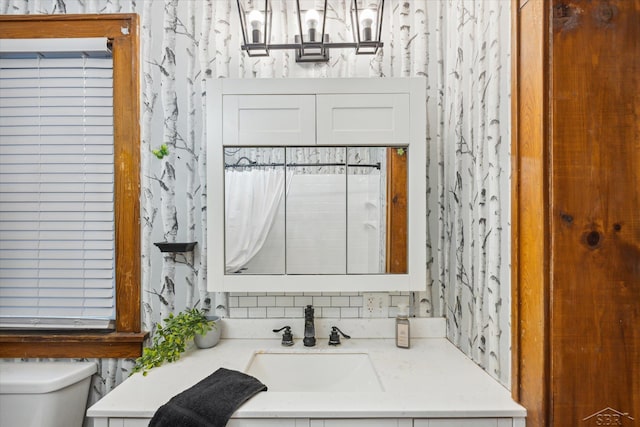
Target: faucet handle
[(287, 336), (334, 338)]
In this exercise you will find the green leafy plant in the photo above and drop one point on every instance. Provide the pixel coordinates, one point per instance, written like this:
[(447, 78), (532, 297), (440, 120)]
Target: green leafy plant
[(171, 338), (161, 152)]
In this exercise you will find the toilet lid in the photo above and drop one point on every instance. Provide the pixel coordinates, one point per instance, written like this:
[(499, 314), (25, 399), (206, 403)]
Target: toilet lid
[(42, 377)]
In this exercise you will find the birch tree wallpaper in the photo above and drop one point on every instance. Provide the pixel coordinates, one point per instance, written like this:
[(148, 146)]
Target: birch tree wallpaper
[(462, 49)]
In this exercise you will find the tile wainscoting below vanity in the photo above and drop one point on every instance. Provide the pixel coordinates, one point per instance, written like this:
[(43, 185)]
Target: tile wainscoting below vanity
[(432, 384)]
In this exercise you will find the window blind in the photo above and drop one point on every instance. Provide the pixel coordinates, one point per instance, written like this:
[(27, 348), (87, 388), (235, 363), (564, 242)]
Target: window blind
[(57, 253)]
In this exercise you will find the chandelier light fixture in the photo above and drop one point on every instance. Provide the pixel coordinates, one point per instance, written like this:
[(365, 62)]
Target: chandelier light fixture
[(311, 41)]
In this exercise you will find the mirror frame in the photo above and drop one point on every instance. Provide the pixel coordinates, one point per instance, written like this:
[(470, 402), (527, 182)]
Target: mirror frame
[(413, 280)]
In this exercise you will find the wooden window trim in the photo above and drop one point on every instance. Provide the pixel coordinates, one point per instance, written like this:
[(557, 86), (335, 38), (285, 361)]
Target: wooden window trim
[(126, 340)]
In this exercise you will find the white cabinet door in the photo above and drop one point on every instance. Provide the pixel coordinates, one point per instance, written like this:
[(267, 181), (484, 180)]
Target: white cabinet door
[(134, 422), (457, 422), (342, 119), (369, 422), (379, 118), (100, 422), (268, 120), (267, 422)]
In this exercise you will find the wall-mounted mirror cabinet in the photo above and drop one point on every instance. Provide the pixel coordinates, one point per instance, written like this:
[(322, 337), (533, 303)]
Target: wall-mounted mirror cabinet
[(316, 185)]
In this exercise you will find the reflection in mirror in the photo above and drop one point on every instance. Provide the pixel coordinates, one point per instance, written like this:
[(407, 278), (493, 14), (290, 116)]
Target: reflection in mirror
[(315, 210), (367, 202), (254, 207)]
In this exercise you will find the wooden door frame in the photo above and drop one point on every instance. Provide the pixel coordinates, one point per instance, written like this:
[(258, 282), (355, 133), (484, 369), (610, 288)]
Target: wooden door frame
[(574, 172), (530, 253)]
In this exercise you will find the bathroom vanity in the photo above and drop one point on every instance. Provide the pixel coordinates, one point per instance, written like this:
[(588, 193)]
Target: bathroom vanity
[(362, 382)]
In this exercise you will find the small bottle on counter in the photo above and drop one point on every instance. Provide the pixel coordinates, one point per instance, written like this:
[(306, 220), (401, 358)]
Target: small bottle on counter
[(402, 327)]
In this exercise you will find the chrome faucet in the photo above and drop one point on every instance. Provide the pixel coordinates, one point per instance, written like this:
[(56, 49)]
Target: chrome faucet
[(309, 328)]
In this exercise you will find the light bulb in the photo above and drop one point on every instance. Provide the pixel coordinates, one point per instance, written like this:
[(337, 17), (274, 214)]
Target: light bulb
[(256, 20), (366, 23), (312, 18)]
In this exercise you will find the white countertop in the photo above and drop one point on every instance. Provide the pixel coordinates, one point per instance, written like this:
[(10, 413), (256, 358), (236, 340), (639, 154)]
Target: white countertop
[(431, 379)]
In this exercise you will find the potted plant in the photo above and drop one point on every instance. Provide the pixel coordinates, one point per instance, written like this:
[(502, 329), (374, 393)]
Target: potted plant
[(173, 335)]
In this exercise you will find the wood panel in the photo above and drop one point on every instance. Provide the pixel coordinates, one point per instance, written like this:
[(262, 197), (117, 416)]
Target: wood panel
[(126, 128), (530, 274), (82, 344), (60, 26), (595, 220), (396, 211)]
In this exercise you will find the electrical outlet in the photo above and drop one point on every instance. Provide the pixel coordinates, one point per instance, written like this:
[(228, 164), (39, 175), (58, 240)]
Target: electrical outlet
[(375, 304)]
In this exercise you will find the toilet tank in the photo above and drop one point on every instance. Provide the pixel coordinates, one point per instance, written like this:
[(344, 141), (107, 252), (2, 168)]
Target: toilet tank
[(44, 394)]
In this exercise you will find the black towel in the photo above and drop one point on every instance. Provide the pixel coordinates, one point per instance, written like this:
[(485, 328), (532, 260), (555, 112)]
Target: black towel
[(209, 403)]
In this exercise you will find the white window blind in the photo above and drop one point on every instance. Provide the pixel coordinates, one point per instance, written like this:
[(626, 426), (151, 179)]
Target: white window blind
[(57, 253)]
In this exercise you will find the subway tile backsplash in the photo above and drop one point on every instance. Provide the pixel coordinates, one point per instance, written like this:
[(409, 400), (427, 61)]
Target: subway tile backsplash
[(256, 305)]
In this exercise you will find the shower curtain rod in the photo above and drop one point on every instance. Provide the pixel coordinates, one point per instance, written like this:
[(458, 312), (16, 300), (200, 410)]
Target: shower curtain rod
[(296, 165)]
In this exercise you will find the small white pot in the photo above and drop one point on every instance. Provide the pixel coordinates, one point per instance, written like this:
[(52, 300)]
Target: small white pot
[(212, 337)]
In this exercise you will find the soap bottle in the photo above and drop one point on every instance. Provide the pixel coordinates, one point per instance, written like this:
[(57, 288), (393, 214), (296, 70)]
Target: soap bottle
[(402, 327)]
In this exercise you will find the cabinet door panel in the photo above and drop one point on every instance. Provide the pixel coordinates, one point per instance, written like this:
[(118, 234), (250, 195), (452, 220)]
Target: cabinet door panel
[(457, 422), (135, 422), (363, 119), (264, 422), (269, 120), (379, 422)]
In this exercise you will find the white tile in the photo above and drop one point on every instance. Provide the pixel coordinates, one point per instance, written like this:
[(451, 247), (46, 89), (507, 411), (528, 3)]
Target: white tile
[(322, 301), (247, 301), (355, 301), (340, 301), (266, 301), (302, 301), (293, 312), (233, 301), (351, 312), (275, 311), (331, 312), (285, 301)]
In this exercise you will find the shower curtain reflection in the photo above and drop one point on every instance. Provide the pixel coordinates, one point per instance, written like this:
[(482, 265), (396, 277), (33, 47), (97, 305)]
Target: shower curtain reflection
[(252, 201)]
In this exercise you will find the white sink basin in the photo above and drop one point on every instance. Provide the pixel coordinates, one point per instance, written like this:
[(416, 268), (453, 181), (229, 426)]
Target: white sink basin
[(314, 372)]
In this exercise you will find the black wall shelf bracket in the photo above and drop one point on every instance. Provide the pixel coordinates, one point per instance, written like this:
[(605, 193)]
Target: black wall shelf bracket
[(176, 247)]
